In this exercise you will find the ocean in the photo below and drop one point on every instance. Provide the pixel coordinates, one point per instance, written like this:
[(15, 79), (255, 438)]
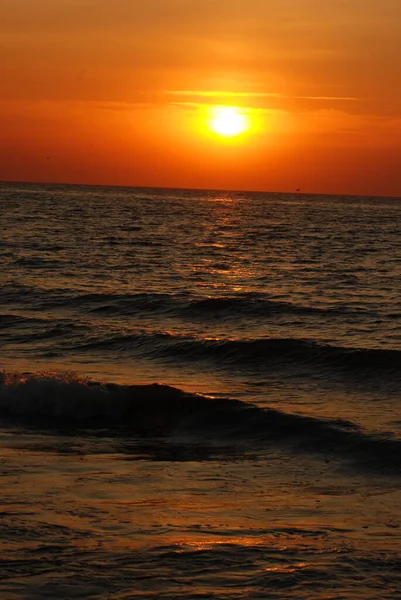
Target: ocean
[(199, 394)]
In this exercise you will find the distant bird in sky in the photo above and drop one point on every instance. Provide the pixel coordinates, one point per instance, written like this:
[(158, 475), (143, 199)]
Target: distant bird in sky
[(298, 189)]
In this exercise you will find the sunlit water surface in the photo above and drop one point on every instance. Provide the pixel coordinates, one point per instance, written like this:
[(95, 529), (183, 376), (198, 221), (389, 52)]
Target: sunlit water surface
[(287, 305)]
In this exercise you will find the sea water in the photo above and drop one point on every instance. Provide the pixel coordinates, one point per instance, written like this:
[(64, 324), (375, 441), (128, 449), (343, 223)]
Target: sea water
[(200, 394)]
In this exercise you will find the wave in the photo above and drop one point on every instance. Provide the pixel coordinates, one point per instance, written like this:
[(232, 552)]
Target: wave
[(248, 353), (179, 305), (154, 410), (257, 305), (243, 354), (12, 320), (301, 351), (22, 330), (125, 304)]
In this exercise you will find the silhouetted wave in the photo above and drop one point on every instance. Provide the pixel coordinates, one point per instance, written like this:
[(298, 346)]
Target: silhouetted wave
[(12, 320), (252, 305), (154, 410), (179, 305), (248, 353)]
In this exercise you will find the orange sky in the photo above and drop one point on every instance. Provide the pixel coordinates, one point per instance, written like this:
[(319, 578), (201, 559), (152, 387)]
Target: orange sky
[(115, 92)]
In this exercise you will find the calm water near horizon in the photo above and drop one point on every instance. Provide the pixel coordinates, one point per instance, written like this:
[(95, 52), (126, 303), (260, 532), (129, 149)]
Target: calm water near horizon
[(200, 394)]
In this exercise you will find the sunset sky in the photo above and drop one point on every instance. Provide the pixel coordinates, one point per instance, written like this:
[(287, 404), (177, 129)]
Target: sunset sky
[(120, 92)]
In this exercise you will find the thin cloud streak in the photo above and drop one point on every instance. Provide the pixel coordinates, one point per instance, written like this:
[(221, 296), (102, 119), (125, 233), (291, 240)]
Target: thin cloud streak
[(214, 94), (203, 105)]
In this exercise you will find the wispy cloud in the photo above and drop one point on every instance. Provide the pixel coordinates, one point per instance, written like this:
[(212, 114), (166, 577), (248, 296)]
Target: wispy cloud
[(202, 105), (220, 94), (212, 94), (341, 98)]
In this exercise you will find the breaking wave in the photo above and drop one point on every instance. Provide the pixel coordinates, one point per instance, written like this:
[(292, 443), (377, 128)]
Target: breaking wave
[(65, 399)]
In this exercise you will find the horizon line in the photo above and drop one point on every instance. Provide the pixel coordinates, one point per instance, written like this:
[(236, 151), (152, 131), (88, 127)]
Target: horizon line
[(195, 189)]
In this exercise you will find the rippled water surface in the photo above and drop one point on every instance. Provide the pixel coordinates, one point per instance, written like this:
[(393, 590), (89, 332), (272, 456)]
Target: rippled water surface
[(266, 464)]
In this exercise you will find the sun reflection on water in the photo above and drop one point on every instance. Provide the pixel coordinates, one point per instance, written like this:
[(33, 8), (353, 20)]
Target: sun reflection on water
[(210, 544)]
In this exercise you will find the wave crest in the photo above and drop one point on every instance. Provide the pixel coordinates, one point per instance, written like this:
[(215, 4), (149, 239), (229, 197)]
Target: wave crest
[(155, 409)]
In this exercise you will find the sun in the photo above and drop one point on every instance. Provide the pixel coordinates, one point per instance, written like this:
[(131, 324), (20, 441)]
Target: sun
[(228, 120)]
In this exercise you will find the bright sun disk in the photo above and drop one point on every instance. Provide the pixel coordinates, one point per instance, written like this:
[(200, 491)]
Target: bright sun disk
[(228, 121)]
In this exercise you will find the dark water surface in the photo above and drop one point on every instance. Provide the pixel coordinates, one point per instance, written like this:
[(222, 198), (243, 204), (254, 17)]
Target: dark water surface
[(267, 462)]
